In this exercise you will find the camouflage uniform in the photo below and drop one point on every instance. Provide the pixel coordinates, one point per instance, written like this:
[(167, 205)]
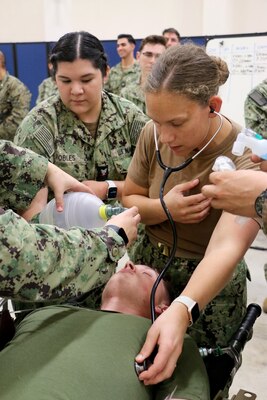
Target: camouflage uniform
[(256, 109), (46, 89), (14, 105), (40, 262), (50, 129), (119, 78), (135, 94)]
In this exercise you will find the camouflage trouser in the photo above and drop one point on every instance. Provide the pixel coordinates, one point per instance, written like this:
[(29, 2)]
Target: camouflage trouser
[(221, 317)]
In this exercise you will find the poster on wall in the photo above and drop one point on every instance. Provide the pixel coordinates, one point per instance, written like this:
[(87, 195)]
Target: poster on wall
[(246, 58)]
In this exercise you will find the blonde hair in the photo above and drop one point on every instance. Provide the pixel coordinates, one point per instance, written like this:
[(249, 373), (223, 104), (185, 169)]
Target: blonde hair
[(188, 70)]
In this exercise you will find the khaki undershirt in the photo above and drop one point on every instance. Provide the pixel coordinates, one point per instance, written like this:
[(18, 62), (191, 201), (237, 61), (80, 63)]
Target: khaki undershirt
[(145, 172)]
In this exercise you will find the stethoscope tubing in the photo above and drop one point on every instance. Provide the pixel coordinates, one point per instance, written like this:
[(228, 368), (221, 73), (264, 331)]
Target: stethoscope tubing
[(167, 172)]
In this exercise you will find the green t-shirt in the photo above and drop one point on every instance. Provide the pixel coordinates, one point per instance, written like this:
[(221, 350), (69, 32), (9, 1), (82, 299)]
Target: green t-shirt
[(67, 353)]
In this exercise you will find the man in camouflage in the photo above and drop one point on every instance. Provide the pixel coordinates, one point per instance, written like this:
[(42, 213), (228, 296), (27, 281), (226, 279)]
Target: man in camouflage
[(40, 262), (255, 109), (127, 71), (14, 102), (150, 49)]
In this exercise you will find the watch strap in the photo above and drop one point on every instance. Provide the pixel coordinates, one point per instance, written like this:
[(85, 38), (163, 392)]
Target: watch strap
[(121, 232), (192, 308)]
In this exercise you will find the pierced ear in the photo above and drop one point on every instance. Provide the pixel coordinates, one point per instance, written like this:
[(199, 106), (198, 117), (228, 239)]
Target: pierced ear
[(161, 308)]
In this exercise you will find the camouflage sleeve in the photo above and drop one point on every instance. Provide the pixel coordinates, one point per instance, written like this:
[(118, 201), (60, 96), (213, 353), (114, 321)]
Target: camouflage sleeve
[(43, 262), (41, 93), (256, 114), (19, 97), (22, 174)]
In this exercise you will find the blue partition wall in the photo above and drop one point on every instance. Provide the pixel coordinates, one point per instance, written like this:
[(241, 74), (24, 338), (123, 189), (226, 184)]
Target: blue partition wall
[(32, 65)]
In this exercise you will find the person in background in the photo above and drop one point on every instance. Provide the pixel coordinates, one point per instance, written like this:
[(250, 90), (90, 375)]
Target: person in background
[(42, 262), (87, 132), (150, 49), (47, 87), (81, 352), (172, 36), (208, 272), (241, 193), (127, 71), (255, 109), (15, 100)]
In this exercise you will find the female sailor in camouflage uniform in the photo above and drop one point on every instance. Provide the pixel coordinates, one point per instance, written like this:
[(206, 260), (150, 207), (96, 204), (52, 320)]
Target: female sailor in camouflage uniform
[(89, 133)]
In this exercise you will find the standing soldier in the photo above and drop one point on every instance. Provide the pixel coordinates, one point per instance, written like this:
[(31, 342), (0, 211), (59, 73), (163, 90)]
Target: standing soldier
[(127, 71), (150, 49), (15, 100)]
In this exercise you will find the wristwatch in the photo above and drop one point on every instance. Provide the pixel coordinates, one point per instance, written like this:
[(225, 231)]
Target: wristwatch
[(192, 308), (112, 190), (121, 232), (259, 203)]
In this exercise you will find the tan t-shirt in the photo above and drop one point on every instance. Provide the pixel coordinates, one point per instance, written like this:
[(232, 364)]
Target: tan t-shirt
[(145, 171)]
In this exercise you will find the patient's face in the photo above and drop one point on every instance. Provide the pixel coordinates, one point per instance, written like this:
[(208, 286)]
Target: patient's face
[(134, 283)]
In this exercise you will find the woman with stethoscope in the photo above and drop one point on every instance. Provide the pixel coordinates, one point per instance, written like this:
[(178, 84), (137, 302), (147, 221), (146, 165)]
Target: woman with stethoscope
[(208, 272)]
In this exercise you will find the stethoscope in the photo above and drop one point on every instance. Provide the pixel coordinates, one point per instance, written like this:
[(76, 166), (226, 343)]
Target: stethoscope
[(167, 172)]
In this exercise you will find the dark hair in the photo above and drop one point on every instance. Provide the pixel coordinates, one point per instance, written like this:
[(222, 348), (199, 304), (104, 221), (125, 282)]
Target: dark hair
[(172, 30), (128, 37), (83, 45), (152, 39), (188, 70)]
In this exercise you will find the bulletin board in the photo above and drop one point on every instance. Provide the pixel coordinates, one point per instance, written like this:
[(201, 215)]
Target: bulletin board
[(247, 62)]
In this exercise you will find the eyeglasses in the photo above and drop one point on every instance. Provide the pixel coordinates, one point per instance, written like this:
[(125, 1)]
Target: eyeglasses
[(149, 54)]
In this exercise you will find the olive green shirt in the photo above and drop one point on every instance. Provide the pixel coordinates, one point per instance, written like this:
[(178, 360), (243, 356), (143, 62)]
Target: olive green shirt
[(69, 353)]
